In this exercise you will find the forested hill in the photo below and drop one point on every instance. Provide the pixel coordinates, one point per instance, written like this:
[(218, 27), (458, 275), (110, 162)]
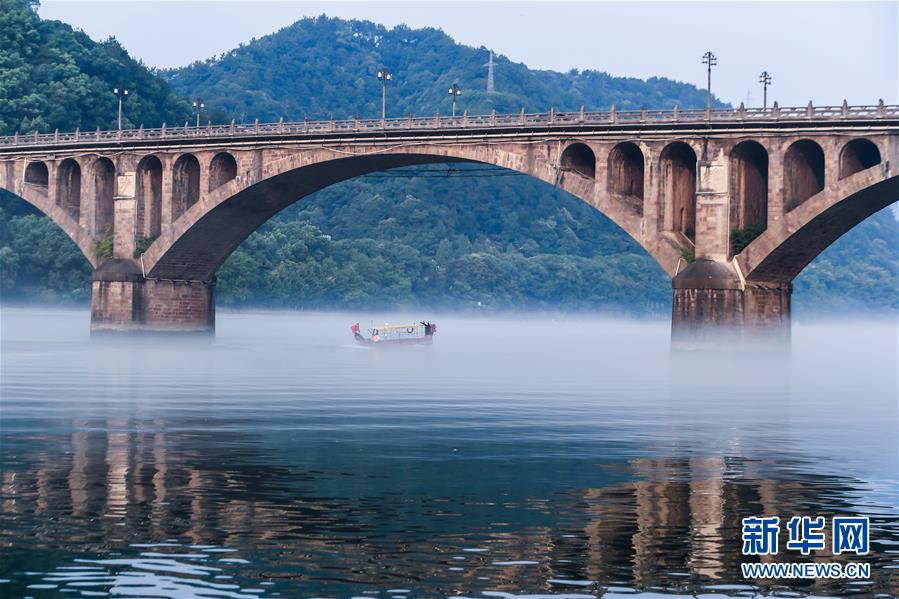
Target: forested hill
[(435, 236), (325, 67), (52, 76)]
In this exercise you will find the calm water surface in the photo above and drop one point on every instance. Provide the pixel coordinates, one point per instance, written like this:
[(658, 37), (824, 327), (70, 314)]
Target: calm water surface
[(529, 456)]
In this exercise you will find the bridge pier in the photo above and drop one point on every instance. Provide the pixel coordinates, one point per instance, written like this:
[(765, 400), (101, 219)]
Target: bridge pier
[(123, 300), (712, 304)]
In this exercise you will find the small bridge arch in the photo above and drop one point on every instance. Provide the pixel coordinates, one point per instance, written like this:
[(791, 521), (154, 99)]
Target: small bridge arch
[(104, 173), (626, 174), (678, 161), (222, 169), (579, 158), (68, 187), (804, 172), (148, 197), (37, 174), (857, 155)]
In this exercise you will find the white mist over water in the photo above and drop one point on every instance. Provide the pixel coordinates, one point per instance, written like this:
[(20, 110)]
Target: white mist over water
[(562, 449)]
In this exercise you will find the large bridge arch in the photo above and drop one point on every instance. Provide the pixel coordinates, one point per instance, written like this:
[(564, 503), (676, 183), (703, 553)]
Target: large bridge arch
[(199, 241), (32, 185), (780, 254)]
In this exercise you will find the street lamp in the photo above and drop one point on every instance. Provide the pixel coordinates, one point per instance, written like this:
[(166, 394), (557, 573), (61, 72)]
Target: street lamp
[(711, 60), (198, 104), (765, 80), (455, 91), (121, 93), (384, 76)]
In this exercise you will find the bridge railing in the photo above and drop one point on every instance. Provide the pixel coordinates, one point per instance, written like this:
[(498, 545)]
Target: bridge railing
[(439, 122)]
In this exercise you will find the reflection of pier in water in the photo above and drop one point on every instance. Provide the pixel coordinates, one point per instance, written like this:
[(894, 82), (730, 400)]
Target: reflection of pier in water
[(672, 523)]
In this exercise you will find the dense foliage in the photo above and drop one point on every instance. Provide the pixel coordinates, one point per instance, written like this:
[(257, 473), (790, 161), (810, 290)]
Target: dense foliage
[(432, 236), (38, 262), (860, 272), (53, 77), (437, 236)]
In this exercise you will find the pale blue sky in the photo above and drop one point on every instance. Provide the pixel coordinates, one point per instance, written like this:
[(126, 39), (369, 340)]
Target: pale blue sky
[(823, 51)]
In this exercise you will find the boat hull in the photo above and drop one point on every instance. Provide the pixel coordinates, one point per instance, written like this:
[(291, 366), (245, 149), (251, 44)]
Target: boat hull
[(426, 340)]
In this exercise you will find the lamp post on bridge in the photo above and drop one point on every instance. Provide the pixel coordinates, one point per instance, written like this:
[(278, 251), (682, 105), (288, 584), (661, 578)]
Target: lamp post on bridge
[(455, 91), (121, 93), (384, 75), (199, 105), (765, 80), (711, 60)]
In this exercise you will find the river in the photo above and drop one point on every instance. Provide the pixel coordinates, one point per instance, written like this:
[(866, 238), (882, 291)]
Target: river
[(521, 455)]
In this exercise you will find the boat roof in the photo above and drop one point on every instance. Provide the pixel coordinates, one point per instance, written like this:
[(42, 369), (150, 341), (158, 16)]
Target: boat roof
[(399, 326)]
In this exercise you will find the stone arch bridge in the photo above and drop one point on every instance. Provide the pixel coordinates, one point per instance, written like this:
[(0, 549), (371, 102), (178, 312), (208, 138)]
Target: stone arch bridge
[(732, 204)]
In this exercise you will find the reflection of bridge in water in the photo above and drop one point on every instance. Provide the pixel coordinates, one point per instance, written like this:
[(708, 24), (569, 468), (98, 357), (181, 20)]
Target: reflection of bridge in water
[(790, 181), (669, 524)]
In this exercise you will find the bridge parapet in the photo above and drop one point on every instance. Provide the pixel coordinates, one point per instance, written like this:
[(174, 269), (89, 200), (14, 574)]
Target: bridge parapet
[(522, 121)]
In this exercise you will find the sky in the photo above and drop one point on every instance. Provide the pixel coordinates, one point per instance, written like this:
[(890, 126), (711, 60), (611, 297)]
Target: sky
[(819, 51)]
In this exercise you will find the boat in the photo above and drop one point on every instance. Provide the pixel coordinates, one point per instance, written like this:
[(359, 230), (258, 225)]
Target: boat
[(398, 334)]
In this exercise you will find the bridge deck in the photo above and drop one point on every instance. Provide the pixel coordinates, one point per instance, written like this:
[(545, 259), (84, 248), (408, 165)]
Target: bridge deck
[(491, 124)]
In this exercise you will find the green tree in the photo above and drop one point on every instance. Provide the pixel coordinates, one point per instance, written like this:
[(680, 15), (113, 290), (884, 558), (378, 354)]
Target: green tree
[(54, 77)]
